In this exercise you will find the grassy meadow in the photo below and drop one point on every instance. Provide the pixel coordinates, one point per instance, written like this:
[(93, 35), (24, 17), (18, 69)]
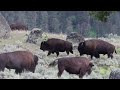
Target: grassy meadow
[(17, 41)]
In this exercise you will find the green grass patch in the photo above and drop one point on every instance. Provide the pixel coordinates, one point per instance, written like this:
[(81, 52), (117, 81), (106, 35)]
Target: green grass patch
[(104, 70)]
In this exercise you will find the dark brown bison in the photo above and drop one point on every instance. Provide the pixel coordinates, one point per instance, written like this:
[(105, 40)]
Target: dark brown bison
[(73, 65), (94, 47), (18, 26), (18, 60), (56, 45)]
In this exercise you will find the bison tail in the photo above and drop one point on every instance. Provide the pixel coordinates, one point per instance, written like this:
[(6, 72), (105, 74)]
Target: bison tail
[(54, 63), (115, 51)]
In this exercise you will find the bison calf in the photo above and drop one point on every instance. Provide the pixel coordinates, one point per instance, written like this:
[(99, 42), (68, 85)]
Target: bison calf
[(56, 45), (18, 60), (94, 47), (73, 65)]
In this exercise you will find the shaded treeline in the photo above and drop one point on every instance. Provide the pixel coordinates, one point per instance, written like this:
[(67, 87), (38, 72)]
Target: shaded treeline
[(66, 22)]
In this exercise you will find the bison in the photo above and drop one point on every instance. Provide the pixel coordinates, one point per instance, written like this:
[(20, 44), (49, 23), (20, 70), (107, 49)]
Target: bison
[(73, 65), (56, 45), (94, 47), (18, 26), (18, 60)]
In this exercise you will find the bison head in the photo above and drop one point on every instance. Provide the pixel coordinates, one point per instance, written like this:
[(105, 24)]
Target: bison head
[(35, 59), (44, 46), (36, 62), (81, 44), (81, 48), (89, 68)]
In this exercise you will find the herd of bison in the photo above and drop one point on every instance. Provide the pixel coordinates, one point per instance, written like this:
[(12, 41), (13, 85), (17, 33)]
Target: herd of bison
[(25, 60)]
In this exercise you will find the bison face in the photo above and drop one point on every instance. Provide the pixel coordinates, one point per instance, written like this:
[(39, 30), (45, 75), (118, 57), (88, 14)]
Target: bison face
[(81, 45), (81, 48), (36, 62), (89, 68), (44, 46)]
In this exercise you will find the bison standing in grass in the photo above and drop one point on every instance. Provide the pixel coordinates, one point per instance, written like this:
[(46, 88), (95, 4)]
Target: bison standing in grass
[(18, 26), (94, 47), (54, 45), (18, 60), (73, 65)]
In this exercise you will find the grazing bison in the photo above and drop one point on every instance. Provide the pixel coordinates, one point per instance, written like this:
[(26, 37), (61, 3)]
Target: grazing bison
[(56, 45), (18, 60), (94, 47), (18, 26), (73, 65)]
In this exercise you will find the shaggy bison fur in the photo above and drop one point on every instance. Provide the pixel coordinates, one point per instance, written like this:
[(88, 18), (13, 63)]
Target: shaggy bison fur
[(73, 65), (18, 60), (56, 45), (94, 47)]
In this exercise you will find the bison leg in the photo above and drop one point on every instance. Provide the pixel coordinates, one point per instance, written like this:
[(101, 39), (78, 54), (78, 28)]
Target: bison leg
[(110, 55), (57, 54), (97, 55), (32, 69), (71, 51), (18, 71), (91, 56), (67, 52), (52, 52), (89, 71), (49, 53), (81, 54), (2, 67), (61, 69), (80, 74)]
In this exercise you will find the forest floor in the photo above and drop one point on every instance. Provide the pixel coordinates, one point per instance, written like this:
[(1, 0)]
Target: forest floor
[(17, 41)]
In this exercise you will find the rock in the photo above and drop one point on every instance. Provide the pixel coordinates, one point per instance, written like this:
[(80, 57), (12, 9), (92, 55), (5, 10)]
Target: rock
[(75, 37), (4, 28), (34, 35), (115, 74)]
